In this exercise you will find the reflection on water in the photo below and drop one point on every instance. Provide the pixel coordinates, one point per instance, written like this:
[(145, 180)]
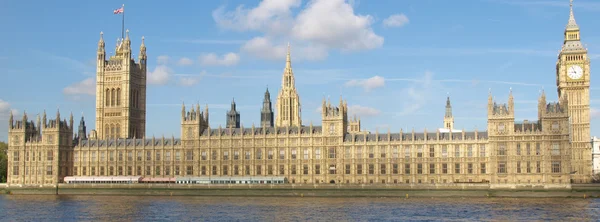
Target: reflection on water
[(128, 208)]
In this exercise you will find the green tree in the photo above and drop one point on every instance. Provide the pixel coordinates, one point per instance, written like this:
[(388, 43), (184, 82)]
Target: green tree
[(3, 161)]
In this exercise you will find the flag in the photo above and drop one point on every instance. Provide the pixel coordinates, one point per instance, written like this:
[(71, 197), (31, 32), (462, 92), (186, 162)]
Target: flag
[(118, 11)]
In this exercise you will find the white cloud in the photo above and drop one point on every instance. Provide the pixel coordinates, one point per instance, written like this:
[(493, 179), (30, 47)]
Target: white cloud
[(368, 84), (272, 16), (160, 75), (85, 87), (265, 48), (319, 27), (362, 111), (397, 20), (162, 59), (5, 110), (4, 106), (333, 23), (211, 59), (188, 81), (185, 61)]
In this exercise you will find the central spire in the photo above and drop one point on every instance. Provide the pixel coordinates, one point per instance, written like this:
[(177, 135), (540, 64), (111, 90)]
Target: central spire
[(288, 75), (288, 101)]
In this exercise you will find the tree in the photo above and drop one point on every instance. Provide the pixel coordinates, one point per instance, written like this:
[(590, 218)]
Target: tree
[(3, 161)]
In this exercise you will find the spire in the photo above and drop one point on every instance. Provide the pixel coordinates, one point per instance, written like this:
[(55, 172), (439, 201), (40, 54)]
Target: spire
[(288, 74), (101, 41), (572, 25), (82, 129), (127, 35), (448, 107)]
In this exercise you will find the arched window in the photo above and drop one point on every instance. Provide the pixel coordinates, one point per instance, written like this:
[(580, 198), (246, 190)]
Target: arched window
[(112, 97), (107, 97), (112, 131), (117, 131), (118, 96), (106, 130)]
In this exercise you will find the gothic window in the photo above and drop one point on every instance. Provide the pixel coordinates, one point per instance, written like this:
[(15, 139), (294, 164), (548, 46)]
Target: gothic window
[(107, 96), (555, 149), (331, 128), (190, 133), (554, 125), (112, 97), (112, 131), (501, 127), (117, 131), (118, 96)]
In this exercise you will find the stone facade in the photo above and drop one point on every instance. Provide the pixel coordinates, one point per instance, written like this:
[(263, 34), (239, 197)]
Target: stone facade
[(548, 152), (120, 92)]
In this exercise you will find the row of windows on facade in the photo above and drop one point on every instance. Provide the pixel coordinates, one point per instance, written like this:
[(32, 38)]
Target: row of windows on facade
[(316, 169), (555, 150), (113, 97)]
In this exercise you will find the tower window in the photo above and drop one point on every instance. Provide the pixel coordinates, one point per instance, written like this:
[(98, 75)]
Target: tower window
[(118, 96), (112, 97)]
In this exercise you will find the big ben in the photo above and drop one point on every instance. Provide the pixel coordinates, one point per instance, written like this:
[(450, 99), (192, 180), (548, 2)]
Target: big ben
[(573, 81)]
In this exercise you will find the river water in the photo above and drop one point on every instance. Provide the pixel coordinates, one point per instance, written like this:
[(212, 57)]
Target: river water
[(163, 208)]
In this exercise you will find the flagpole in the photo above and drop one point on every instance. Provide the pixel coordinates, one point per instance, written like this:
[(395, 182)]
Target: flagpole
[(123, 23)]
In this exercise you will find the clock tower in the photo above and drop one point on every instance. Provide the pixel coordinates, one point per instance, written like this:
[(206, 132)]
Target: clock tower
[(573, 80)]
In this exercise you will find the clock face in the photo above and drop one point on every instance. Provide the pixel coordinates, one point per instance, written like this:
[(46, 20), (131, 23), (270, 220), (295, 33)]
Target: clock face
[(575, 72)]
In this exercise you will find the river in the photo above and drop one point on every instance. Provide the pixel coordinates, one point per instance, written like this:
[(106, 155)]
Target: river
[(163, 208)]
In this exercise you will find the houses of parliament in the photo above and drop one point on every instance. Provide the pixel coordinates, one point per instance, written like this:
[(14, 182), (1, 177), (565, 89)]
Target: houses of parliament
[(553, 151)]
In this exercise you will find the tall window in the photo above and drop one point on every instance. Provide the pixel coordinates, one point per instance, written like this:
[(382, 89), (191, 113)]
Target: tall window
[(306, 153), (518, 149), (555, 149), (470, 151), (456, 151), (555, 166), (502, 149), (332, 152), (406, 152), (371, 152), (107, 97), (432, 151), (482, 167), (420, 151), (118, 96), (445, 151), (481, 150), (501, 167), (112, 97), (270, 154), (395, 151), (347, 154), (282, 154), (382, 151), (294, 154)]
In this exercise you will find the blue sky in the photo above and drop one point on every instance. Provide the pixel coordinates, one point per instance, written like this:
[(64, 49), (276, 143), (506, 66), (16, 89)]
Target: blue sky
[(394, 61)]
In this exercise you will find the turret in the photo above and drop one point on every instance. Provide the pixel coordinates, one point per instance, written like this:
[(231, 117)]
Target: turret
[(142, 56), (448, 118), (233, 117), (266, 113), (82, 132), (101, 50)]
